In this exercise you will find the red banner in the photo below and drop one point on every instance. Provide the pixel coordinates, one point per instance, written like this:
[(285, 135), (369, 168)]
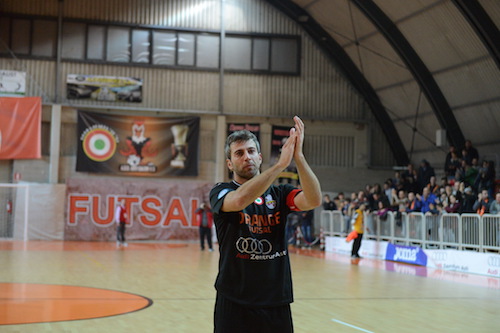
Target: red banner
[(20, 128), (159, 210)]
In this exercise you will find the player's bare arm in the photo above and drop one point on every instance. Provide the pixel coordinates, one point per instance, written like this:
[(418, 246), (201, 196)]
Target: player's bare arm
[(310, 197)]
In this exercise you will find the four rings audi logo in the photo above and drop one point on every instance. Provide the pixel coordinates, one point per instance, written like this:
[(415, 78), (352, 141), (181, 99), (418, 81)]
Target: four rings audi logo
[(494, 261), (253, 246)]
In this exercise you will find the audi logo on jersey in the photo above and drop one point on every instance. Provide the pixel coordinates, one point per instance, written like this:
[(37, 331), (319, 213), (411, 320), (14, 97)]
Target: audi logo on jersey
[(253, 246)]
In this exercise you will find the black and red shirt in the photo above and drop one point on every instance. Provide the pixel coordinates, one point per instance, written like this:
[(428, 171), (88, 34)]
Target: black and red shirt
[(254, 266)]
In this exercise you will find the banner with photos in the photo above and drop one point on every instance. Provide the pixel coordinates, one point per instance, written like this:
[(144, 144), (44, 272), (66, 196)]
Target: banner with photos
[(278, 137), (20, 128), (104, 88), (136, 145), (12, 83)]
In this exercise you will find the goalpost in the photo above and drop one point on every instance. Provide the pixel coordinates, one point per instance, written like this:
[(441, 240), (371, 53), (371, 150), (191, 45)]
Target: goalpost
[(14, 199)]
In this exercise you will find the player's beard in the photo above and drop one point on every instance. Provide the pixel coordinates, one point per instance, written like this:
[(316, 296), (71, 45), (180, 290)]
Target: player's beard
[(246, 172)]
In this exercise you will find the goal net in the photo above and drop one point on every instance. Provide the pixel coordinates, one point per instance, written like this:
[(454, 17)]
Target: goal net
[(14, 211)]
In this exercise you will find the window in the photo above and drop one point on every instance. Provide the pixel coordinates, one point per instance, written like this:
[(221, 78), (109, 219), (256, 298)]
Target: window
[(154, 46), (238, 53), (118, 45), (95, 42), (140, 46), (164, 46), (73, 41)]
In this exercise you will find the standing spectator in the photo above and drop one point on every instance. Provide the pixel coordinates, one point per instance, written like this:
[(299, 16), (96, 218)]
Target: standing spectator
[(470, 152), (205, 221), (468, 201), (121, 219), (426, 199), (424, 174), (307, 223), (358, 226), (495, 209), (486, 177), (482, 204), (346, 214), (433, 185), (255, 295), (451, 163), (495, 205), (328, 204)]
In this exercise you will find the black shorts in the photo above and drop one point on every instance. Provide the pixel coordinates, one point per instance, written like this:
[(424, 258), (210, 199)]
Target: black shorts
[(231, 317)]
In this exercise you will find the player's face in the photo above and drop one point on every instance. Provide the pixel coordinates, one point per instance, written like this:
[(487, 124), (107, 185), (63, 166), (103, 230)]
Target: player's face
[(245, 160)]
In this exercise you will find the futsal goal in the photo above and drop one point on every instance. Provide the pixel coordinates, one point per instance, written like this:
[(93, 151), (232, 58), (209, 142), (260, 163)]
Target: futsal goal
[(14, 199)]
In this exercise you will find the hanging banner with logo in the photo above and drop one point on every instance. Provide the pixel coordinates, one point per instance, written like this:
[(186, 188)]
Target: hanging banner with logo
[(157, 210), (104, 88), (137, 146), (278, 137), (20, 128), (12, 83)]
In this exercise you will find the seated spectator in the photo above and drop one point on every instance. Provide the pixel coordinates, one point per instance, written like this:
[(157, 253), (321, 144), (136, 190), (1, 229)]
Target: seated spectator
[(495, 205), (482, 204), (328, 204), (433, 186), (413, 204), (453, 206), (470, 152), (434, 209)]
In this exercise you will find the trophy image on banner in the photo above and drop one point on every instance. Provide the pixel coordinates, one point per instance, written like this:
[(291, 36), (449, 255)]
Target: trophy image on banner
[(179, 147)]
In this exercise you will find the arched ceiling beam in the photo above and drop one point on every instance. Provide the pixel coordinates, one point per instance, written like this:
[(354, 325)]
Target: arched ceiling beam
[(417, 67), (337, 54), (483, 25)]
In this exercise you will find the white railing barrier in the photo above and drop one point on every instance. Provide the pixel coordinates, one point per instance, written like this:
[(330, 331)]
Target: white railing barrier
[(446, 231)]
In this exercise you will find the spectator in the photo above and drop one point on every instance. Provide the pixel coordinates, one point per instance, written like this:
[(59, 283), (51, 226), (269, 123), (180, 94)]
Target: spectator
[(346, 214), (486, 177), (495, 205), (433, 186), (482, 204), (413, 205), (470, 152), (425, 172), (454, 206), (328, 204), (426, 199), (467, 205), (307, 223), (205, 221), (451, 163)]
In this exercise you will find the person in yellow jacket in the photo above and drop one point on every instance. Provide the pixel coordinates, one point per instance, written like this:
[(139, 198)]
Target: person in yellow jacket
[(358, 225)]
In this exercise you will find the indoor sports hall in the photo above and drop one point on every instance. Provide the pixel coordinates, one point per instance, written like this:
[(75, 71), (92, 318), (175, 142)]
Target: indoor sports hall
[(364, 166)]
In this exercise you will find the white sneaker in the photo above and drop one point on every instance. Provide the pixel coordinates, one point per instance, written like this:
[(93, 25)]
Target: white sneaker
[(125, 244), (118, 244)]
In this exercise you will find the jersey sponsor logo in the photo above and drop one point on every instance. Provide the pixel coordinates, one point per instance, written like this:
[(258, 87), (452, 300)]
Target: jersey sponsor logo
[(270, 202), (256, 249), (260, 224), (250, 245), (259, 201)]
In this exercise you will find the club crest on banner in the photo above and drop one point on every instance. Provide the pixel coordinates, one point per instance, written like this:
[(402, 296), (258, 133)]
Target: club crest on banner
[(99, 142)]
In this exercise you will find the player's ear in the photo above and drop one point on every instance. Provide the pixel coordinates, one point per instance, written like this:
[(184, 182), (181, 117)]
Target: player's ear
[(229, 164)]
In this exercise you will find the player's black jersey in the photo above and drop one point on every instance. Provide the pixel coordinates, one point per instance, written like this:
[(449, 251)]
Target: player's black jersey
[(254, 266)]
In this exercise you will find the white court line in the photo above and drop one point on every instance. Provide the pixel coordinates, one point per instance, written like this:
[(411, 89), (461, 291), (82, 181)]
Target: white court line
[(355, 327)]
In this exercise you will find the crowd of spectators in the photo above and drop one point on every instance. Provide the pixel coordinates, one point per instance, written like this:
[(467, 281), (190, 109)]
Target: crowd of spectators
[(466, 187)]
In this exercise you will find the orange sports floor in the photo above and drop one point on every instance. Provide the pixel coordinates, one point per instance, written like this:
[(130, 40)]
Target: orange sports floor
[(168, 287)]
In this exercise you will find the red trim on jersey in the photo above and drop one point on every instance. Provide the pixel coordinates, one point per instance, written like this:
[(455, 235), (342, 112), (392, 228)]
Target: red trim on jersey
[(290, 200)]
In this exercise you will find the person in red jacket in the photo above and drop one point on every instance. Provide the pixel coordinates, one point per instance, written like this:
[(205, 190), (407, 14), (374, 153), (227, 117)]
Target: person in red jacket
[(121, 219), (205, 221)]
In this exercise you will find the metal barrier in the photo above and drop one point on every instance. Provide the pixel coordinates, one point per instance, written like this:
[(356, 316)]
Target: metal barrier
[(447, 231)]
